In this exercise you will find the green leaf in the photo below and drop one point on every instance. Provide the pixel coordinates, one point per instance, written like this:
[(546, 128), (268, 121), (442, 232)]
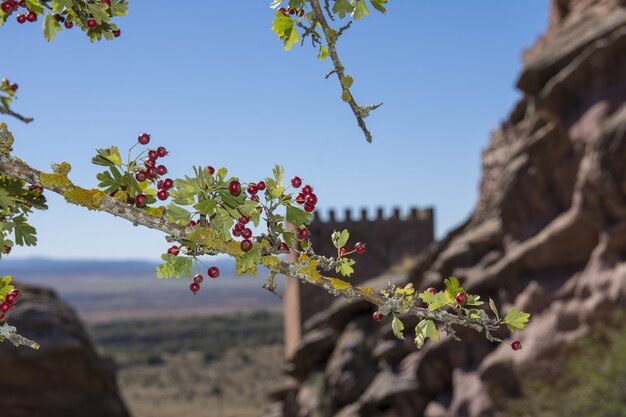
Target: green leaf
[(24, 233), (248, 207), (249, 260), (35, 6), (342, 7), (492, 304), (185, 191), (345, 266), (425, 329), (279, 174), (50, 27), (174, 266), (297, 216), (378, 5), (474, 300), (110, 181), (206, 207), (220, 224), (99, 12), (340, 239), (397, 326), (6, 200), (323, 53), (453, 287), (516, 320), (274, 4), (360, 9), (435, 301), (108, 157), (286, 30), (118, 8), (60, 5), (178, 214)]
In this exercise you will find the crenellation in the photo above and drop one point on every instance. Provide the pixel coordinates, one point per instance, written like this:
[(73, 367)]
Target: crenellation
[(364, 217), (348, 216), (396, 214), (380, 214)]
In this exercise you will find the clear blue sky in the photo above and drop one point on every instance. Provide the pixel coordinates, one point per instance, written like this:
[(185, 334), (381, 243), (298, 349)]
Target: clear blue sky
[(214, 86)]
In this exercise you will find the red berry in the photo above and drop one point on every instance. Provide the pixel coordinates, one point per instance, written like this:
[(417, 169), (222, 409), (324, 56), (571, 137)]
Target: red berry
[(107, 2), (261, 185), (68, 24), (162, 194), (152, 172), (308, 208), (21, 18), (291, 10), (22, 3), (4, 307), (211, 170), (198, 279), (214, 272), (168, 183), (6, 7), (461, 298), (244, 219), (117, 33), (246, 245), (283, 11), (300, 12), (144, 138), (141, 176), (516, 345), (15, 292), (234, 187), (191, 223), (377, 316), (254, 198), (140, 200), (252, 189), (149, 163), (31, 17), (359, 247), (10, 299), (432, 290), (343, 250), (311, 199), (300, 198), (173, 250), (57, 17), (161, 169), (283, 247), (161, 151), (7, 249), (246, 233), (307, 189), (239, 227), (91, 23), (236, 232), (296, 182), (160, 184), (194, 287), (152, 154), (303, 233)]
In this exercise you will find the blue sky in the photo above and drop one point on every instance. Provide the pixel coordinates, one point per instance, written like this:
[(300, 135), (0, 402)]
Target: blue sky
[(215, 87)]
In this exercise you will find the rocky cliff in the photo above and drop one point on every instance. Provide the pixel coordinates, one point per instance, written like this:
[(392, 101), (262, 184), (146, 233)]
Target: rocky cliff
[(65, 377), (548, 235)]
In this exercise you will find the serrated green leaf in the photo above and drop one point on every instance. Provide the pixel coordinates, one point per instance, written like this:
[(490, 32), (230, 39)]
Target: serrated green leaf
[(184, 191), (50, 27), (378, 5), (24, 233), (297, 216), (286, 30), (60, 5), (435, 301), (35, 6), (108, 157), (206, 207), (516, 320), (492, 304), (98, 11), (178, 214), (323, 53), (340, 239), (221, 223), (474, 300), (118, 8), (174, 266), (425, 329), (344, 267), (248, 207), (360, 9), (247, 262), (342, 7), (452, 287), (397, 327), (110, 180)]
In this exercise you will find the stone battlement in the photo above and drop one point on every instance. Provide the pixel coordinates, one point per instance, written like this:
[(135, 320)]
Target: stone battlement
[(414, 214)]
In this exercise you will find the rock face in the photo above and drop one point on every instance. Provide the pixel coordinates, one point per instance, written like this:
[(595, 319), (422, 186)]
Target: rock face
[(548, 235), (65, 377)]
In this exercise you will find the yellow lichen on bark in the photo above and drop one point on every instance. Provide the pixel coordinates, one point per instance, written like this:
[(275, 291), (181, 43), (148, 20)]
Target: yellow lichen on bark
[(86, 198), (203, 236), (54, 180), (6, 139)]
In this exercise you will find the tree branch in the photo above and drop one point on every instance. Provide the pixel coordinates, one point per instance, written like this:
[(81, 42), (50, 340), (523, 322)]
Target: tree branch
[(331, 36), (9, 112)]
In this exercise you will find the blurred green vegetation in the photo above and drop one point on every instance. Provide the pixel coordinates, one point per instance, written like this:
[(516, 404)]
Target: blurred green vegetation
[(591, 382), (146, 342)]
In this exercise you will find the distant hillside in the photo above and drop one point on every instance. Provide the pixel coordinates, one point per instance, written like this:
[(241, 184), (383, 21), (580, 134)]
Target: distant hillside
[(112, 290)]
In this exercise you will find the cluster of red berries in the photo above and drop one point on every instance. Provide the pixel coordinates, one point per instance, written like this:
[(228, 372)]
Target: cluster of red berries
[(153, 171), (305, 197), (240, 229), (359, 247), (292, 11), (9, 6), (213, 272), (9, 302), (235, 187)]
